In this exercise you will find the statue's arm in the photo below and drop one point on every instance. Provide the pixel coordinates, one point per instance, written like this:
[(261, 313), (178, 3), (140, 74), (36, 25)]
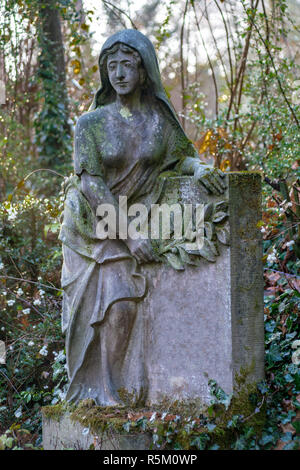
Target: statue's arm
[(211, 178), (181, 151), (96, 191)]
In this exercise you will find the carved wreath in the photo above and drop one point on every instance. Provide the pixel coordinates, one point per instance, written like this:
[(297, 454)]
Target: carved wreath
[(216, 231)]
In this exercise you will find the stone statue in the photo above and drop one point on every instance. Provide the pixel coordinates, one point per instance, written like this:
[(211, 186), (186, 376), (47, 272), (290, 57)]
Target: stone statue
[(127, 140)]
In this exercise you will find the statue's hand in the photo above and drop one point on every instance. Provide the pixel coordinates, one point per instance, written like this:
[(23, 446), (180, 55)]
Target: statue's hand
[(211, 178), (141, 250)]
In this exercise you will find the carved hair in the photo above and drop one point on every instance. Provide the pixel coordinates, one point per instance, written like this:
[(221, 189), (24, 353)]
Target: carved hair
[(120, 47)]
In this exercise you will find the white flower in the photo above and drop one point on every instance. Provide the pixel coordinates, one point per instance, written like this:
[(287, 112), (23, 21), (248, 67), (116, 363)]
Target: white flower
[(31, 343), (34, 327), (1, 266), (292, 242), (41, 292), (3, 328), (289, 204), (61, 395), (18, 413), (26, 311), (296, 357), (43, 351), (37, 302), (4, 293), (263, 230), (20, 292), (60, 356), (296, 344), (272, 257), (12, 213), (10, 303)]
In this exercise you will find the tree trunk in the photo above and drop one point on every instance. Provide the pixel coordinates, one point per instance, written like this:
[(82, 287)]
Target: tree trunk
[(52, 125), (51, 34)]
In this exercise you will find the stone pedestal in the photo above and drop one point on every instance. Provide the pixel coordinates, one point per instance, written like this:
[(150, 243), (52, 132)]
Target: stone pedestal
[(206, 322), (65, 434)]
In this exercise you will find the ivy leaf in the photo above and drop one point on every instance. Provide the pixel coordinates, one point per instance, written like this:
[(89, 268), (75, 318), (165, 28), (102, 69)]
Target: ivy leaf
[(273, 355), (296, 425), (266, 439), (126, 426), (291, 446), (287, 437)]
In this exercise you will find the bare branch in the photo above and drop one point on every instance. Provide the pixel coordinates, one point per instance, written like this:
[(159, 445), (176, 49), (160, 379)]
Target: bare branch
[(182, 63), (114, 7), (209, 61)]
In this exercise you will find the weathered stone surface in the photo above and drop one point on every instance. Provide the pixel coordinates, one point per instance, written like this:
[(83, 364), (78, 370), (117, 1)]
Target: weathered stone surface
[(207, 322), (69, 435)]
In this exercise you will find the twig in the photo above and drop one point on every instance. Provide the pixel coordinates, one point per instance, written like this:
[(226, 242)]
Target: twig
[(217, 47), (209, 61), (112, 6), (282, 272), (242, 66), (31, 282), (255, 411), (228, 43), (182, 64)]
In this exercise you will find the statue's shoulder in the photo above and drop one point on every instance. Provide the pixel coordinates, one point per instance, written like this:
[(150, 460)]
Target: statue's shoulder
[(94, 117)]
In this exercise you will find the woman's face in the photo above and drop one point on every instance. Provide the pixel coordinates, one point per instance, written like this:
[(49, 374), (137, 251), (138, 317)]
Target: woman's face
[(124, 72)]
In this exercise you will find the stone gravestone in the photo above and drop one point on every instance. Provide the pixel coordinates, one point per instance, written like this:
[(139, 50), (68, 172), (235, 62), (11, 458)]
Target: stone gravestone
[(204, 322)]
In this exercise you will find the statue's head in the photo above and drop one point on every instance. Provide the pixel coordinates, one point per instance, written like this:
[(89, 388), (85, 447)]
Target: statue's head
[(135, 49), (123, 66)]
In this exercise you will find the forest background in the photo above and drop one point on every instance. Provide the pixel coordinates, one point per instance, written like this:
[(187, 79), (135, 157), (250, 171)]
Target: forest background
[(231, 68)]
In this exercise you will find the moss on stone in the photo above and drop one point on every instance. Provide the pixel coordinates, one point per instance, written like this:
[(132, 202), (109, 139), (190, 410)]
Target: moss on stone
[(123, 420), (55, 412)]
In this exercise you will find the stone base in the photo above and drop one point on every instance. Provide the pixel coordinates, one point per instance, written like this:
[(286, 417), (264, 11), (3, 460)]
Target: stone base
[(69, 435)]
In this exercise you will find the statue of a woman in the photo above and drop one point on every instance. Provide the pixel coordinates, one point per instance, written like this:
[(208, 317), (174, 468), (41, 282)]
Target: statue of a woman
[(122, 145)]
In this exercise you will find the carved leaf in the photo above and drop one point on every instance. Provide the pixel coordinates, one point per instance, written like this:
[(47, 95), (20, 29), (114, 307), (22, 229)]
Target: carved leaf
[(223, 235), (208, 251), (174, 261), (209, 230), (219, 216), (221, 206), (208, 210), (186, 258)]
